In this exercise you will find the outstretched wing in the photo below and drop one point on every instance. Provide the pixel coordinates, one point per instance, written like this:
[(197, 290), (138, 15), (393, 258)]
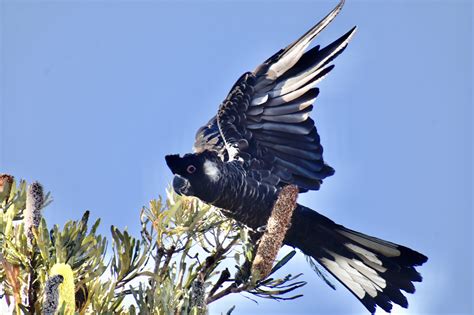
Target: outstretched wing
[(265, 120)]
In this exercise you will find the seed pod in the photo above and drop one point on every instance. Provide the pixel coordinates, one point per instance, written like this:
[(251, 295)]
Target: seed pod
[(34, 203), (51, 294), (67, 288), (277, 225)]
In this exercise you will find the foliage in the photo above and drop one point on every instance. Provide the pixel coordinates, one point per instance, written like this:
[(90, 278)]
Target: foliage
[(187, 256)]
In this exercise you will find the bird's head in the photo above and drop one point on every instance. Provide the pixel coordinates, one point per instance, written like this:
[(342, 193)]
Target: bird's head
[(196, 174)]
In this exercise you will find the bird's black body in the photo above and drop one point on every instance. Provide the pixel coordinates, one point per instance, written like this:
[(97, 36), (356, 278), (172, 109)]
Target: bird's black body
[(240, 196), (263, 139)]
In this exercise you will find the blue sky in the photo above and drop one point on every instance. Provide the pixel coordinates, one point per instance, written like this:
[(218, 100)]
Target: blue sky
[(95, 93)]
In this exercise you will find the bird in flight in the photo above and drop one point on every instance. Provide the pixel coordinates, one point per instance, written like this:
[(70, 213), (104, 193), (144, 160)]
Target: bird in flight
[(263, 139)]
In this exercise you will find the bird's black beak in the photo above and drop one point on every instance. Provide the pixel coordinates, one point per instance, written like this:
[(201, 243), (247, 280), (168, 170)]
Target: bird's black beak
[(182, 186)]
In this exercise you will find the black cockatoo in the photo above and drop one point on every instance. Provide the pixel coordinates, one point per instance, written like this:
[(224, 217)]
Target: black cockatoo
[(262, 139)]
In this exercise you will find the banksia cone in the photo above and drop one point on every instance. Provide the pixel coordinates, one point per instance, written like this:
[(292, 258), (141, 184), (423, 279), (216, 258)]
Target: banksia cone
[(66, 289), (34, 203), (198, 293), (51, 294), (277, 225)]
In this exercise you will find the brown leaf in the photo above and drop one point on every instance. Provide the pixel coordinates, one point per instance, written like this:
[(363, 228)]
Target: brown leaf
[(6, 182), (12, 272)]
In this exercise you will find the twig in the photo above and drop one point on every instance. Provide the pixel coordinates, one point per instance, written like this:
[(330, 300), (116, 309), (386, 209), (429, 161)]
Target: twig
[(32, 285), (232, 288), (169, 255), (159, 254), (225, 275)]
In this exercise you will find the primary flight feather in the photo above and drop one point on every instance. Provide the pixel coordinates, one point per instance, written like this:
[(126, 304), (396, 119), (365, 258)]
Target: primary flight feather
[(262, 139)]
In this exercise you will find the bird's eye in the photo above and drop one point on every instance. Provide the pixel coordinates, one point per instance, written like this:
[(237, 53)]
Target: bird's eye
[(191, 169)]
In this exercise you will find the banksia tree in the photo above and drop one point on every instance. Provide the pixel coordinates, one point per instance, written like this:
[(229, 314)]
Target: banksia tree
[(186, 257)]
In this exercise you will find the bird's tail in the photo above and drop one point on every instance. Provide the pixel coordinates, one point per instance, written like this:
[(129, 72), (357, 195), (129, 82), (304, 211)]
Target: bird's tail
[(374, 270)]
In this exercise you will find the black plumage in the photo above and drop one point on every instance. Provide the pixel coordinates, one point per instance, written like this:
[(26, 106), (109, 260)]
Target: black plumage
[(262, 139)]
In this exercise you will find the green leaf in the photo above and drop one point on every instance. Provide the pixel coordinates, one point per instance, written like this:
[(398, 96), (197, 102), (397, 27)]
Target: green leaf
[(282, 262)]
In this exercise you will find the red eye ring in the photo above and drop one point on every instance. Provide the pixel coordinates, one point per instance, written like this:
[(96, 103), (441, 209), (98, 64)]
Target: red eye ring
[(191, 169)]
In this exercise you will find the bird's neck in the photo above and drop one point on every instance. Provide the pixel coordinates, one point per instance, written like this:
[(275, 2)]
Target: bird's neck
[(243, 198)]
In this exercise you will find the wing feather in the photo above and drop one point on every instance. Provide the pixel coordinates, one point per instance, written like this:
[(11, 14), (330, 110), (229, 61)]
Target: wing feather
[(265, 120), (290, 55)]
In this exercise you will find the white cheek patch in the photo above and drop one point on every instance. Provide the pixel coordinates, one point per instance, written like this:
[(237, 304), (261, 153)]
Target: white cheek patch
[(211, 170)]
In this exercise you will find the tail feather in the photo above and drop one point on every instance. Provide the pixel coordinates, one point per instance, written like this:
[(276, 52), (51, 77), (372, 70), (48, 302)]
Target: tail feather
[(375, 271)]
